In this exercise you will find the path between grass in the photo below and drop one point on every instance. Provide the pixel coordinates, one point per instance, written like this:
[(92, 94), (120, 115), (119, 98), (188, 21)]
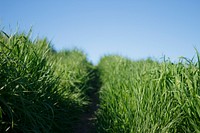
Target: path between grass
[(87, 120)]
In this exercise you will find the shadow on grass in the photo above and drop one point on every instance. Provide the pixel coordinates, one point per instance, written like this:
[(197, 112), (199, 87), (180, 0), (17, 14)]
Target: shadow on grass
[(87, 120)]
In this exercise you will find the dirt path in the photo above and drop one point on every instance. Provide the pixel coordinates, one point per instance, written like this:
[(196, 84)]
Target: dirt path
[(87, 120)]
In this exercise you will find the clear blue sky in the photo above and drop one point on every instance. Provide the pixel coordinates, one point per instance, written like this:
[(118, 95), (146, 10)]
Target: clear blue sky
[(133, 28)]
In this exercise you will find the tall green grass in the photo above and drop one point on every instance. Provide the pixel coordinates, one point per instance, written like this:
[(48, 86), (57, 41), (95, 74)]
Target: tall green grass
[(75, 75), (148, 96), (41, 90)]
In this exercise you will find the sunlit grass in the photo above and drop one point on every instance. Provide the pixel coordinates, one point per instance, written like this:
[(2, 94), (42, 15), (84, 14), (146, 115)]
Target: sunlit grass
[(147, 96), (41, 90)]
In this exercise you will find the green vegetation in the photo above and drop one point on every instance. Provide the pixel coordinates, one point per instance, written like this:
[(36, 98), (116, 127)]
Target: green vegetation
[(42, 90), (147, 96)]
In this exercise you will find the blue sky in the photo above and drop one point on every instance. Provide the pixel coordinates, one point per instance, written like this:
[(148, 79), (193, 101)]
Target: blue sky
[(133, 28)]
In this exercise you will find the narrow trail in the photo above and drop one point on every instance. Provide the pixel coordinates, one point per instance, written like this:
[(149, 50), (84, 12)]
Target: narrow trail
[(87, 120)]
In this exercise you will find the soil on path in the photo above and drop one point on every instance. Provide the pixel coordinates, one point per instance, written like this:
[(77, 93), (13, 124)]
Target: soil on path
[(87, 120)]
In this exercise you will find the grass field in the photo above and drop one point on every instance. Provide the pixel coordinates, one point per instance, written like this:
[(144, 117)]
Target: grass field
[(43, 90), (147, 96)]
